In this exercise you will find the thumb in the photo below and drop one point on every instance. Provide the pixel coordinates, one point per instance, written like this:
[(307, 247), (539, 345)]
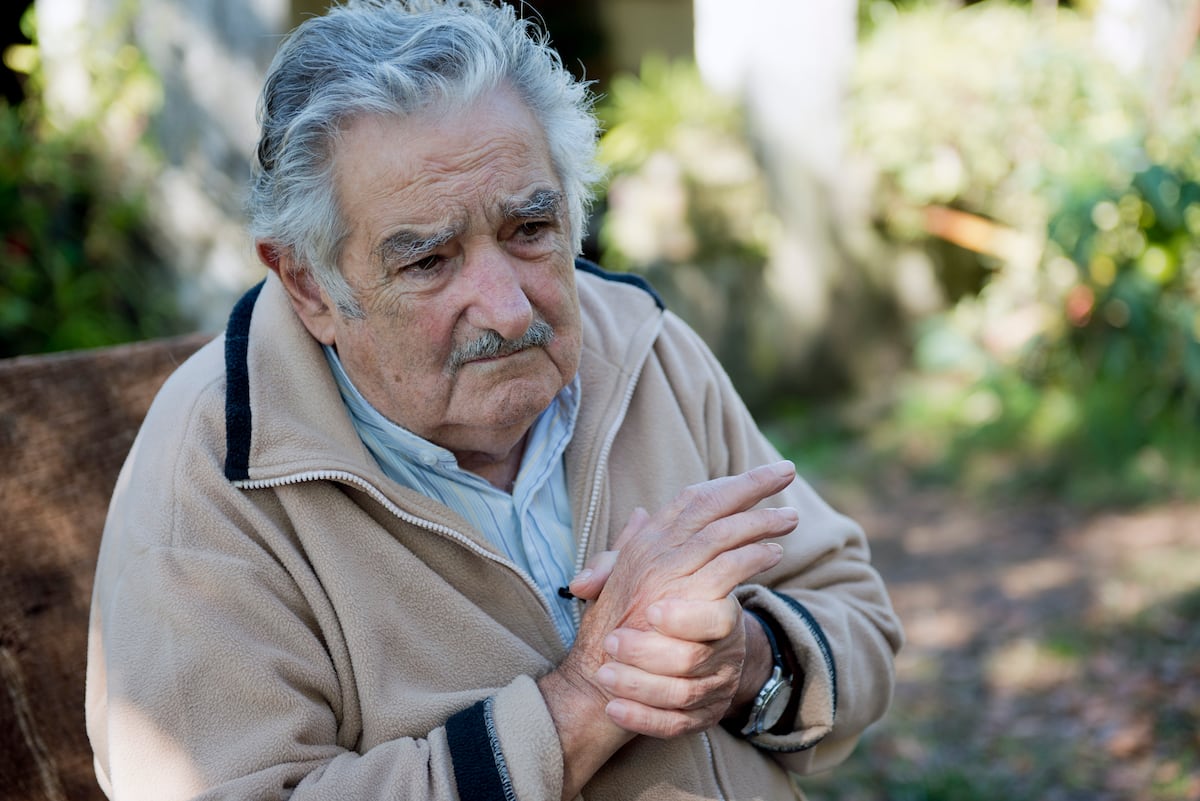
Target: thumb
[(590, 581)]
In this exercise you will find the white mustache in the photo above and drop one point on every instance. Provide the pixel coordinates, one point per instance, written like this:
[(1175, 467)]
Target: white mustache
[(490, 344)]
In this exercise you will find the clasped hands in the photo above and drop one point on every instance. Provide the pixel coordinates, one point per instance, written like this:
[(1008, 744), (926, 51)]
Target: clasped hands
[(663, 639)]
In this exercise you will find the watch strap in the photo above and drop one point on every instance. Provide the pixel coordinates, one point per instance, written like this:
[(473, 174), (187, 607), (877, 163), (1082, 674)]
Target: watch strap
[(772, 640), (780, 680)]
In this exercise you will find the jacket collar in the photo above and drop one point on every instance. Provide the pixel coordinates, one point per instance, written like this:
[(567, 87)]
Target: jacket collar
[(284, 416)]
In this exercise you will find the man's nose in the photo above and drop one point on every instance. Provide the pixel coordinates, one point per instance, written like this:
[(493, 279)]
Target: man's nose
[(498, 301)]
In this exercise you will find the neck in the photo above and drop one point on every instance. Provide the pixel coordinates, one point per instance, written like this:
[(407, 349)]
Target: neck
[(499, 471)]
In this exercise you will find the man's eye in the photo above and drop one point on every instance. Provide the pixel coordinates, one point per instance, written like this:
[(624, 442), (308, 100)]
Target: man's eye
[(427, 264), (532, 229)]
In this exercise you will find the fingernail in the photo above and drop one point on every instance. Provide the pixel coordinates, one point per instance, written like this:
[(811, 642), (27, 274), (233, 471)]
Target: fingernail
[(775, 548), (611, 644), (790, 514), (584, 575), (784, 468), (655, 615)]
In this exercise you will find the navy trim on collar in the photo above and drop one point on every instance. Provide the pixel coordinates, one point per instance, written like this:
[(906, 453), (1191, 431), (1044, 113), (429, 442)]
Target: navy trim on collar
[(621, 278), (237, 387)]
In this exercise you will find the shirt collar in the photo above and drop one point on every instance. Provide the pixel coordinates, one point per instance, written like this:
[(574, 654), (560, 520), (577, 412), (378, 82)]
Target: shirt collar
[(387, 440)]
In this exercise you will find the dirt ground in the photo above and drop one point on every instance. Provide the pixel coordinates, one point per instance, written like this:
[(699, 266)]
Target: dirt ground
[(1051, 653)]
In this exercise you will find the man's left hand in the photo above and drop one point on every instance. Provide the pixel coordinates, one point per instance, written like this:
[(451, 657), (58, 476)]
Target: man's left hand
[(701, 662)]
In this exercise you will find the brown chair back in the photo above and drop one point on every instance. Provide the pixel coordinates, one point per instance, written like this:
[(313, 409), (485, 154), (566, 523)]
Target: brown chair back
[(66, 423)]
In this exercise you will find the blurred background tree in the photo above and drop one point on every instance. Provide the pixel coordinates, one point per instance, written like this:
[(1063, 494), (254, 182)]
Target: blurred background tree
[(79, 265), (1047, 194), (688, 206), (1016, 286)]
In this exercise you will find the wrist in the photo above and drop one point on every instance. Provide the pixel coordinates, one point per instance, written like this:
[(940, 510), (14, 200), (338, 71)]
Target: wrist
[(577, 702), (756, 668), (587, 736), (770, 685)]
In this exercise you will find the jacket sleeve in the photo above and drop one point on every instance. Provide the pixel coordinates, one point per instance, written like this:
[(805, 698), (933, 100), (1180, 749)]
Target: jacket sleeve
[(200, 706), (214, 672), (825, 594)]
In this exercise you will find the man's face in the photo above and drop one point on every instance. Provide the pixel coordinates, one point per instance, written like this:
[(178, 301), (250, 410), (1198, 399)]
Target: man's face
[(458, 231)]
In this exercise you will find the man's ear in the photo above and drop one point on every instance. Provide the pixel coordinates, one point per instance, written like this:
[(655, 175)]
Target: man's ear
[(308, 299)]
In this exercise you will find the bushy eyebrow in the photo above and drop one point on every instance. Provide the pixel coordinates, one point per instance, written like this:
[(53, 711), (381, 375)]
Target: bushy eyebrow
[(542, 203), (407, 245)]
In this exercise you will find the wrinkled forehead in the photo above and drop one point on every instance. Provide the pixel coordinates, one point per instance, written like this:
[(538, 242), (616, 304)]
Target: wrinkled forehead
[(449, 130), (443, 167)]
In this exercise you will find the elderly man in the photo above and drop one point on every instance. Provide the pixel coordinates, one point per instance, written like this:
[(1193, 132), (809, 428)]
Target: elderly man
[(337, 561)]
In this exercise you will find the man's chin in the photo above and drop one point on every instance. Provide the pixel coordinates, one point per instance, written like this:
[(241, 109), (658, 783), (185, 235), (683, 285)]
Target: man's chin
[(514, 398)]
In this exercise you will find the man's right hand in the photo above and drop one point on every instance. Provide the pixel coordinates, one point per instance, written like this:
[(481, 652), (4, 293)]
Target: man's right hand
[(697, 549)]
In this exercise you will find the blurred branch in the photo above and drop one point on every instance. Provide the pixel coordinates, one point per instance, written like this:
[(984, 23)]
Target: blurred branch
[(977, 234)]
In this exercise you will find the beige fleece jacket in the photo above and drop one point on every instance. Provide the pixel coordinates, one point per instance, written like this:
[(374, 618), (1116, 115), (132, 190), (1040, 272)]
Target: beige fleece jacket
[(274, 618)]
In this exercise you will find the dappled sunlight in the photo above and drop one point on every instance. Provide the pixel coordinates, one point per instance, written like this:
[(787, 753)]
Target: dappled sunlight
[(1050, 653), (1029, 579), (1148, 559), (930, 627), (1025, 664), (951, 533), (142, 736)]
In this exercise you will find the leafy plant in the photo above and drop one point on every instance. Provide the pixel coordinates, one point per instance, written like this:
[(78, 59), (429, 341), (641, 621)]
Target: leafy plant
[(1058, 217), (78, 264)]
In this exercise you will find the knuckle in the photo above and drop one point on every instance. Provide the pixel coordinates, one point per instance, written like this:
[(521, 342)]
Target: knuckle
[(690, 493), (628, 683), (694, 657), (695, 696), (727, 617), (697, 499), (704, 693), (678, 726)]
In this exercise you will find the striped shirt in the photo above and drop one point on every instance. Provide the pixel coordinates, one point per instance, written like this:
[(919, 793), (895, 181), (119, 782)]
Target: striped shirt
[(532, 527)]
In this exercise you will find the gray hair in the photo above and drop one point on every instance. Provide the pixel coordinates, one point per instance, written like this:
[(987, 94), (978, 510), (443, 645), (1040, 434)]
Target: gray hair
[(397, 57)]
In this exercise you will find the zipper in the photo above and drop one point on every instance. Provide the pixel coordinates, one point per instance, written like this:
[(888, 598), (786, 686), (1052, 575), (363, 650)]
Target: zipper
[(585, 531), (407, 517), (712, 761)]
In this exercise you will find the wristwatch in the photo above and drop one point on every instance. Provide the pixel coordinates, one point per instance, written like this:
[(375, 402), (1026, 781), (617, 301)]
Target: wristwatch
[(773, 698)]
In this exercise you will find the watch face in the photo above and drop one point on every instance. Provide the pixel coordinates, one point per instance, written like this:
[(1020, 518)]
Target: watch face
[(775, 704)]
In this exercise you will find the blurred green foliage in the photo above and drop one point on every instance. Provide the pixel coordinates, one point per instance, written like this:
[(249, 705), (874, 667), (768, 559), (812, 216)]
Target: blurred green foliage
[(1058, 210), (684, 185), (1032, 211), (687, 205), (78, 264)]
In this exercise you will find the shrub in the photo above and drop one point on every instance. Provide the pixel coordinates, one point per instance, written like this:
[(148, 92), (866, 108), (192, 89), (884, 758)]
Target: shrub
[(1059, 218), (78, 266)]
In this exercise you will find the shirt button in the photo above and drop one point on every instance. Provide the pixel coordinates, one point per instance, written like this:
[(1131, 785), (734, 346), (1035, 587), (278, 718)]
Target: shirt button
[(430, 459)]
